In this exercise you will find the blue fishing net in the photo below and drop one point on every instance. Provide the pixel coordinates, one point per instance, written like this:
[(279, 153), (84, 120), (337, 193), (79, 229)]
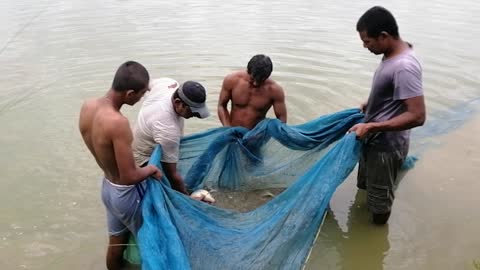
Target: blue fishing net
[(309, 160)]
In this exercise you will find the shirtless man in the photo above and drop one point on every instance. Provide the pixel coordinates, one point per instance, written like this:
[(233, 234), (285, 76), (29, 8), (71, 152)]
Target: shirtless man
[(108, 136), (252, 94)]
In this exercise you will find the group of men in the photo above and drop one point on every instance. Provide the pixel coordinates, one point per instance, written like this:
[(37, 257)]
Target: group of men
[(395, 105)]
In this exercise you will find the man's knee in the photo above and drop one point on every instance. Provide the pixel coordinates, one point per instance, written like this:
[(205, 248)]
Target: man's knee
[(380, 199)]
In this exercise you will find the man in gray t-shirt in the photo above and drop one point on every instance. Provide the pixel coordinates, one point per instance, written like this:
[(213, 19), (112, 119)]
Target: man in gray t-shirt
[(395, 105)]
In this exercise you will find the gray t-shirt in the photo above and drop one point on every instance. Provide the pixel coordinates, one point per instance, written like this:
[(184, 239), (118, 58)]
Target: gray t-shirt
[(395, 80)]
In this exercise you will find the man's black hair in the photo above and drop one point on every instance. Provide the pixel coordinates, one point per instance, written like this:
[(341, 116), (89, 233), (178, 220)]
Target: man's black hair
[(376, 20), (260, 67), (130, 76)]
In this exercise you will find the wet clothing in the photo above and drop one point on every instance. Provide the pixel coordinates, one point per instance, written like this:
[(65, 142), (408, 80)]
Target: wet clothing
[(377, 173), (123, 205), (395, 80)]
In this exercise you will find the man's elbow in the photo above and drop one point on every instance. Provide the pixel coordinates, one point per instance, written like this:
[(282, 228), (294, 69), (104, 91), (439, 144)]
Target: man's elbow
[(282, 116), (420, 120), (221, 109)]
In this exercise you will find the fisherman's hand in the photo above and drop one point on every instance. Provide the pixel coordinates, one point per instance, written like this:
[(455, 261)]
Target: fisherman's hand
[(361, 129), (157, 174)]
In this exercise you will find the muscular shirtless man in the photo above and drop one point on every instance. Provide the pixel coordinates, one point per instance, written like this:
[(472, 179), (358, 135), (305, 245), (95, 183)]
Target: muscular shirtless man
[(252, 94)]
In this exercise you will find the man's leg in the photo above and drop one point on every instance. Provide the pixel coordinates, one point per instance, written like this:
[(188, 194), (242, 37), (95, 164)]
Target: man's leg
[(383, 169), (118, 232), (116, 246), (362, 171)]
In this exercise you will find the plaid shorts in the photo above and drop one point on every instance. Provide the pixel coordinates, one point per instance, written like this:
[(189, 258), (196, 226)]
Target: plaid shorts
[(377, 173)]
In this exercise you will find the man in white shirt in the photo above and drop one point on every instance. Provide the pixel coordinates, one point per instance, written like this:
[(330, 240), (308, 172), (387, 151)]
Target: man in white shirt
[(161, 121)]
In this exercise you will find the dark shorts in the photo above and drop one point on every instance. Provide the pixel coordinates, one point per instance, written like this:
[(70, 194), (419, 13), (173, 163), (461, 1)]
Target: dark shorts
[(377, 173)]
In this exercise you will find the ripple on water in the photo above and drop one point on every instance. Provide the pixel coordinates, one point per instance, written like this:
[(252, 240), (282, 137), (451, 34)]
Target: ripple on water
[(55, 54)]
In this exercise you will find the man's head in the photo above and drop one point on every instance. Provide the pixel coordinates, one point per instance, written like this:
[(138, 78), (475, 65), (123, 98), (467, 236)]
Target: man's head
[(189, 100), (377, 28), (259, 68), (131, 80)]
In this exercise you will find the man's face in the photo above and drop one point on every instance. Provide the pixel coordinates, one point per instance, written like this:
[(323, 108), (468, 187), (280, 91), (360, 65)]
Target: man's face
[(184, 110), (374, 45), (187, 112)]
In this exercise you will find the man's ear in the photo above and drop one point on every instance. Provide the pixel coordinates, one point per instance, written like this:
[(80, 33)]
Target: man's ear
[(177, 101), (384, 34), (130, 93)]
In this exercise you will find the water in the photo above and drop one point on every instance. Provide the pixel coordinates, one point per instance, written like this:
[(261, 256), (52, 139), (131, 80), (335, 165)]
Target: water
[(55, 54)]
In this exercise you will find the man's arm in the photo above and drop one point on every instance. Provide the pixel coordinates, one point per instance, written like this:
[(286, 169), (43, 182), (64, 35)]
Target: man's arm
[(174, 177), (129, 172), (167, 135), (279, 106), (414, 116), (225, 97)]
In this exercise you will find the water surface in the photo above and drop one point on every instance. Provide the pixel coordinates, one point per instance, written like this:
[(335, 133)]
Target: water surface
[(55, 54)]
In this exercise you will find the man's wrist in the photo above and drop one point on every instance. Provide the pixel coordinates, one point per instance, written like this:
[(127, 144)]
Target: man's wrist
[(373, 127)]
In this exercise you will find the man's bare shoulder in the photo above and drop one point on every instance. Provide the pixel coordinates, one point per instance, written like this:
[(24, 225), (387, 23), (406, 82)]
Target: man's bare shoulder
[(274, 87), (87, 113), (88, 105), (115, 121), (97, 113), (236, 76), (231, 80), (114, 125)]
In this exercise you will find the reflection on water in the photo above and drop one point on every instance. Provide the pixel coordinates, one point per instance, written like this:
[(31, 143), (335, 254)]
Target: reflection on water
[(356, 245), (432, 217), (55, 54)]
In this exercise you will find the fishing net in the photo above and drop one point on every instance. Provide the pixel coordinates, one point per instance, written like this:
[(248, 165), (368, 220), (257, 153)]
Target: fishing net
[(309, 161)]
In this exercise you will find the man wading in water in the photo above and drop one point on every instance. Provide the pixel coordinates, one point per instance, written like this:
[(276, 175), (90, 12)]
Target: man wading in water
[(108, 136)]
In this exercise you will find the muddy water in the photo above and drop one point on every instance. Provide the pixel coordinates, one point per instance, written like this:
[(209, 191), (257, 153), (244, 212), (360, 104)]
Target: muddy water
[(55, 54)]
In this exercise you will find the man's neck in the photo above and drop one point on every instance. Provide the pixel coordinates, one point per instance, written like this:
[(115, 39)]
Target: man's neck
[(114, 99), (398, 46)]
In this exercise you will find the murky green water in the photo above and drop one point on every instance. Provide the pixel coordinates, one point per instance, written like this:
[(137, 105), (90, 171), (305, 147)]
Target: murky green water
[(55, 54)]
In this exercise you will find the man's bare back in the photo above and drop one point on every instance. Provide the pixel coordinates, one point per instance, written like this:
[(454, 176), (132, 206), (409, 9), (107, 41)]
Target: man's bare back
[(108, 136), (251, 100), (98, 123)]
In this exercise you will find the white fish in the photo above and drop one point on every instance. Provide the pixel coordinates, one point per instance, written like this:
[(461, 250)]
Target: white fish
[(202, 195)]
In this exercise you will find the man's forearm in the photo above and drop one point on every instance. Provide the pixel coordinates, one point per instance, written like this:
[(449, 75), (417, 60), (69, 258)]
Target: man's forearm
[(175, 179), (406, 120), (140, 174), (178, 184)]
